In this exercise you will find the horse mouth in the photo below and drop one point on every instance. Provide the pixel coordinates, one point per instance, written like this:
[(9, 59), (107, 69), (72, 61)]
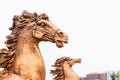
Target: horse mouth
[(78, 61), (60, 39), (60, 43)]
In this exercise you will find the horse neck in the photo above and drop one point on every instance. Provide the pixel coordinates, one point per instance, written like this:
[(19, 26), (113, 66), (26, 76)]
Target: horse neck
[(26, 43), (69, 73), (27, 52), (67, 70)]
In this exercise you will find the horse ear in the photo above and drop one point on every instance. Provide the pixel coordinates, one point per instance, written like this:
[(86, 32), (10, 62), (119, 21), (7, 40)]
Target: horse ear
[(37, 34)]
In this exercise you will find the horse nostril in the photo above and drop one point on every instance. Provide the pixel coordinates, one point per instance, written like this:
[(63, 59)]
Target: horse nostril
[(58, 40), (79, 60)]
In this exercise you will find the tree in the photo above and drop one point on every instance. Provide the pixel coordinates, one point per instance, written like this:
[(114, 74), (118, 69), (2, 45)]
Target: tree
[(114, 75)]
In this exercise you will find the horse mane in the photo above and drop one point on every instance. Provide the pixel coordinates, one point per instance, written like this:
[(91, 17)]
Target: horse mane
[(58, 71), (19, 22)]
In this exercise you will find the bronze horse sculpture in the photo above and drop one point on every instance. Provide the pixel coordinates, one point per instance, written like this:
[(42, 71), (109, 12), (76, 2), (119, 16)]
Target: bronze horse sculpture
[(63, 69), (22, 60)]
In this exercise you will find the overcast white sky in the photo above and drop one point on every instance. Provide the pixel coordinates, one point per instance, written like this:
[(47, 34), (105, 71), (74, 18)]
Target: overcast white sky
[(93, 27)]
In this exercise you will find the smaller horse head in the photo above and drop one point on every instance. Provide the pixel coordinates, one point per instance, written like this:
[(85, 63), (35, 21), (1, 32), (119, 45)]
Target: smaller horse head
[(71, 62), (64, 67)]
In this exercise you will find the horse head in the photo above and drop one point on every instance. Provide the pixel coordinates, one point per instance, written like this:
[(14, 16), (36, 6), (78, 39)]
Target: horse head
[(71, 62), (46, 31), (40, 25)]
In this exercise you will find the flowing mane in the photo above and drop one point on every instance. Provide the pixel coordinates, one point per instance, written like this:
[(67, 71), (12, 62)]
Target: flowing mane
[(59, 72), (19, 22)]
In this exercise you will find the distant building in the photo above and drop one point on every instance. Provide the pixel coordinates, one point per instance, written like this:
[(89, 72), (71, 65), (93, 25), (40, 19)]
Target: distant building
[(83, 78), (93, 76), (103, 76)]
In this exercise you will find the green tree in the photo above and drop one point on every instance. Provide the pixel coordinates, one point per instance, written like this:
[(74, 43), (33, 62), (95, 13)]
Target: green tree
[(114, 75)]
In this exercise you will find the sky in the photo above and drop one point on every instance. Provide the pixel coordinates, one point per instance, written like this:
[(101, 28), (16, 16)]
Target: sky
[(93, 28)]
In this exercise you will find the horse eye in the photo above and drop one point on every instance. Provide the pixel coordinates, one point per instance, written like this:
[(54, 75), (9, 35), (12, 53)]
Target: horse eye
[(61, 33), (41, 23)]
